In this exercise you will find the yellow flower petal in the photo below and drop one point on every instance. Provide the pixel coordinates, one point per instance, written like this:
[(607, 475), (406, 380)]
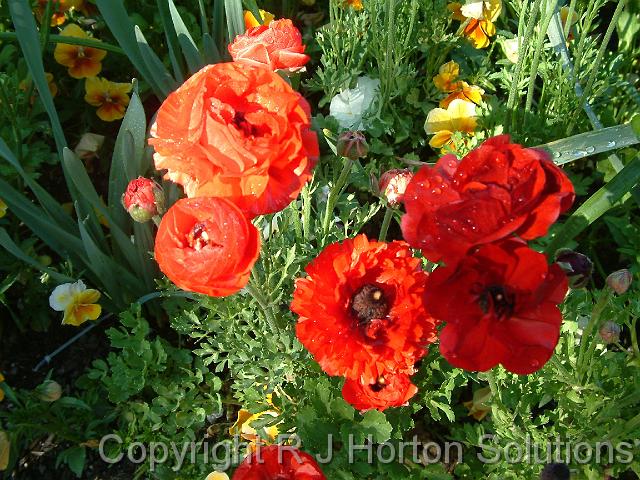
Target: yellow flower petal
[(3, 208), (440, 139), (463, 116), (217, 476), (5, 450), (77, 314), (471, 93), (251, 21), (438, 119), (82, 61)]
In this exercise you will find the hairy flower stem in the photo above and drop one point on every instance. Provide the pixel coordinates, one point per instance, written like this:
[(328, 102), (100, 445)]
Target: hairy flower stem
[(388, 214), (257, 295), (334, 194), (587, 334)]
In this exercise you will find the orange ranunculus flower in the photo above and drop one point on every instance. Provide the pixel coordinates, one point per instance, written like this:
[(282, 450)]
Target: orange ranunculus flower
[(277, 46), (207, 245), (81, 61), (237, 132)]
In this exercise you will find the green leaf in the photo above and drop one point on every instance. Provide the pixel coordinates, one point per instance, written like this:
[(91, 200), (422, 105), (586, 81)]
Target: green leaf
[(29, 41), (591, 143), (252, 6), (188, 46), (83, 42), (166, 83), (373, 423), (597, 205), (235, 18), (75, 458)]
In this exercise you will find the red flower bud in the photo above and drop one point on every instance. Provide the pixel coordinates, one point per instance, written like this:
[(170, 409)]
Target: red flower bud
[(144, 199), (620, 281), (577, 266), (393, 184), (353, 145)]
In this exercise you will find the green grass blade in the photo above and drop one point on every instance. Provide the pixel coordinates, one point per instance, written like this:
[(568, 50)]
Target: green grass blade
[(597, 205), (172, 40), (235, 18), (211, 52), (252, 6), (83, 42), (10, 246), (29, 40)]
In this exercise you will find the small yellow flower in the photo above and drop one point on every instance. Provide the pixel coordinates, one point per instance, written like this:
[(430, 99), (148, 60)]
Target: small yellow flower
[(251, 21), (478, 18), (82, 62), (479, 406), (111, 98), (445, 80), (464, 91), (1, 390), (243, 427), (564, 16), (3, 208), (77, 302), (460, 116), (5, 450), (217, 476), (53, 88)]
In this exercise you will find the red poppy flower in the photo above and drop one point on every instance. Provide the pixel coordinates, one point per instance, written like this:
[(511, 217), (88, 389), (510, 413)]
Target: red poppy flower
[(361, 309), (236, 132), (278, 462), (207, 245), (389, 390), (500, 305), (497, 190), (277, 46)]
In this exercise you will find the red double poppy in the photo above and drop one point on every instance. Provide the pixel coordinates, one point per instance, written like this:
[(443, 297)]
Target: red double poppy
[(278, 462), (389, 390)]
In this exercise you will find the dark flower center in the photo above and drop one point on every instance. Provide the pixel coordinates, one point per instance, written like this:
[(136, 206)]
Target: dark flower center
[(198, 238), (369, 303), (241, 123), (380, 385), (496, 298)]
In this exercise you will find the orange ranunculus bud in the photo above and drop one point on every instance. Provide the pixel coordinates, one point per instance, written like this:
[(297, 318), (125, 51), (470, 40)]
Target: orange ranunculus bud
[(237, 132), (143, 199), (207, 245), (393, 184), (277, 46)]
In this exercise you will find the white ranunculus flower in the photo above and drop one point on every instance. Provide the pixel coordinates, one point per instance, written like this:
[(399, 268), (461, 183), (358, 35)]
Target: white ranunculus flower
[(350, 105)]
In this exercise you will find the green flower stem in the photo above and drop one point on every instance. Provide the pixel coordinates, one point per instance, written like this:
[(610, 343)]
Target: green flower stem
[(83, 42), (334, 194), (306, 212), (634, 337), (264, 306), (388, 214), (587, 334)]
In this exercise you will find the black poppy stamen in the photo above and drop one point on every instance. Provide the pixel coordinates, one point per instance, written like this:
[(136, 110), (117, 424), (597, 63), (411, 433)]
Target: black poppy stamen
[(198, 238), (498, 299), (369, 303)]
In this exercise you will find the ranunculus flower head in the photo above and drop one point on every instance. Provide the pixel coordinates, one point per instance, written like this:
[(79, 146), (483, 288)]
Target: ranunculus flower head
[(207, 245), (276, 46), (361, 311), (237, 132), (497, 190), (143, 199), (389, 390), (500, 307), (278, 462)]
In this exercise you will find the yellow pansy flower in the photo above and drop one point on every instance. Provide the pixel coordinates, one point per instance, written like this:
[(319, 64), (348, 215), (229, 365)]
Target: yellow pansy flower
[(217, 476), (355, 4), (478, 18), (82, 62), (243, 427), (3, 208), (1, 390), (76, 301), (445, 80), (53, 88), (460, 116), (251, 21), (463, 91), (111, 98)]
